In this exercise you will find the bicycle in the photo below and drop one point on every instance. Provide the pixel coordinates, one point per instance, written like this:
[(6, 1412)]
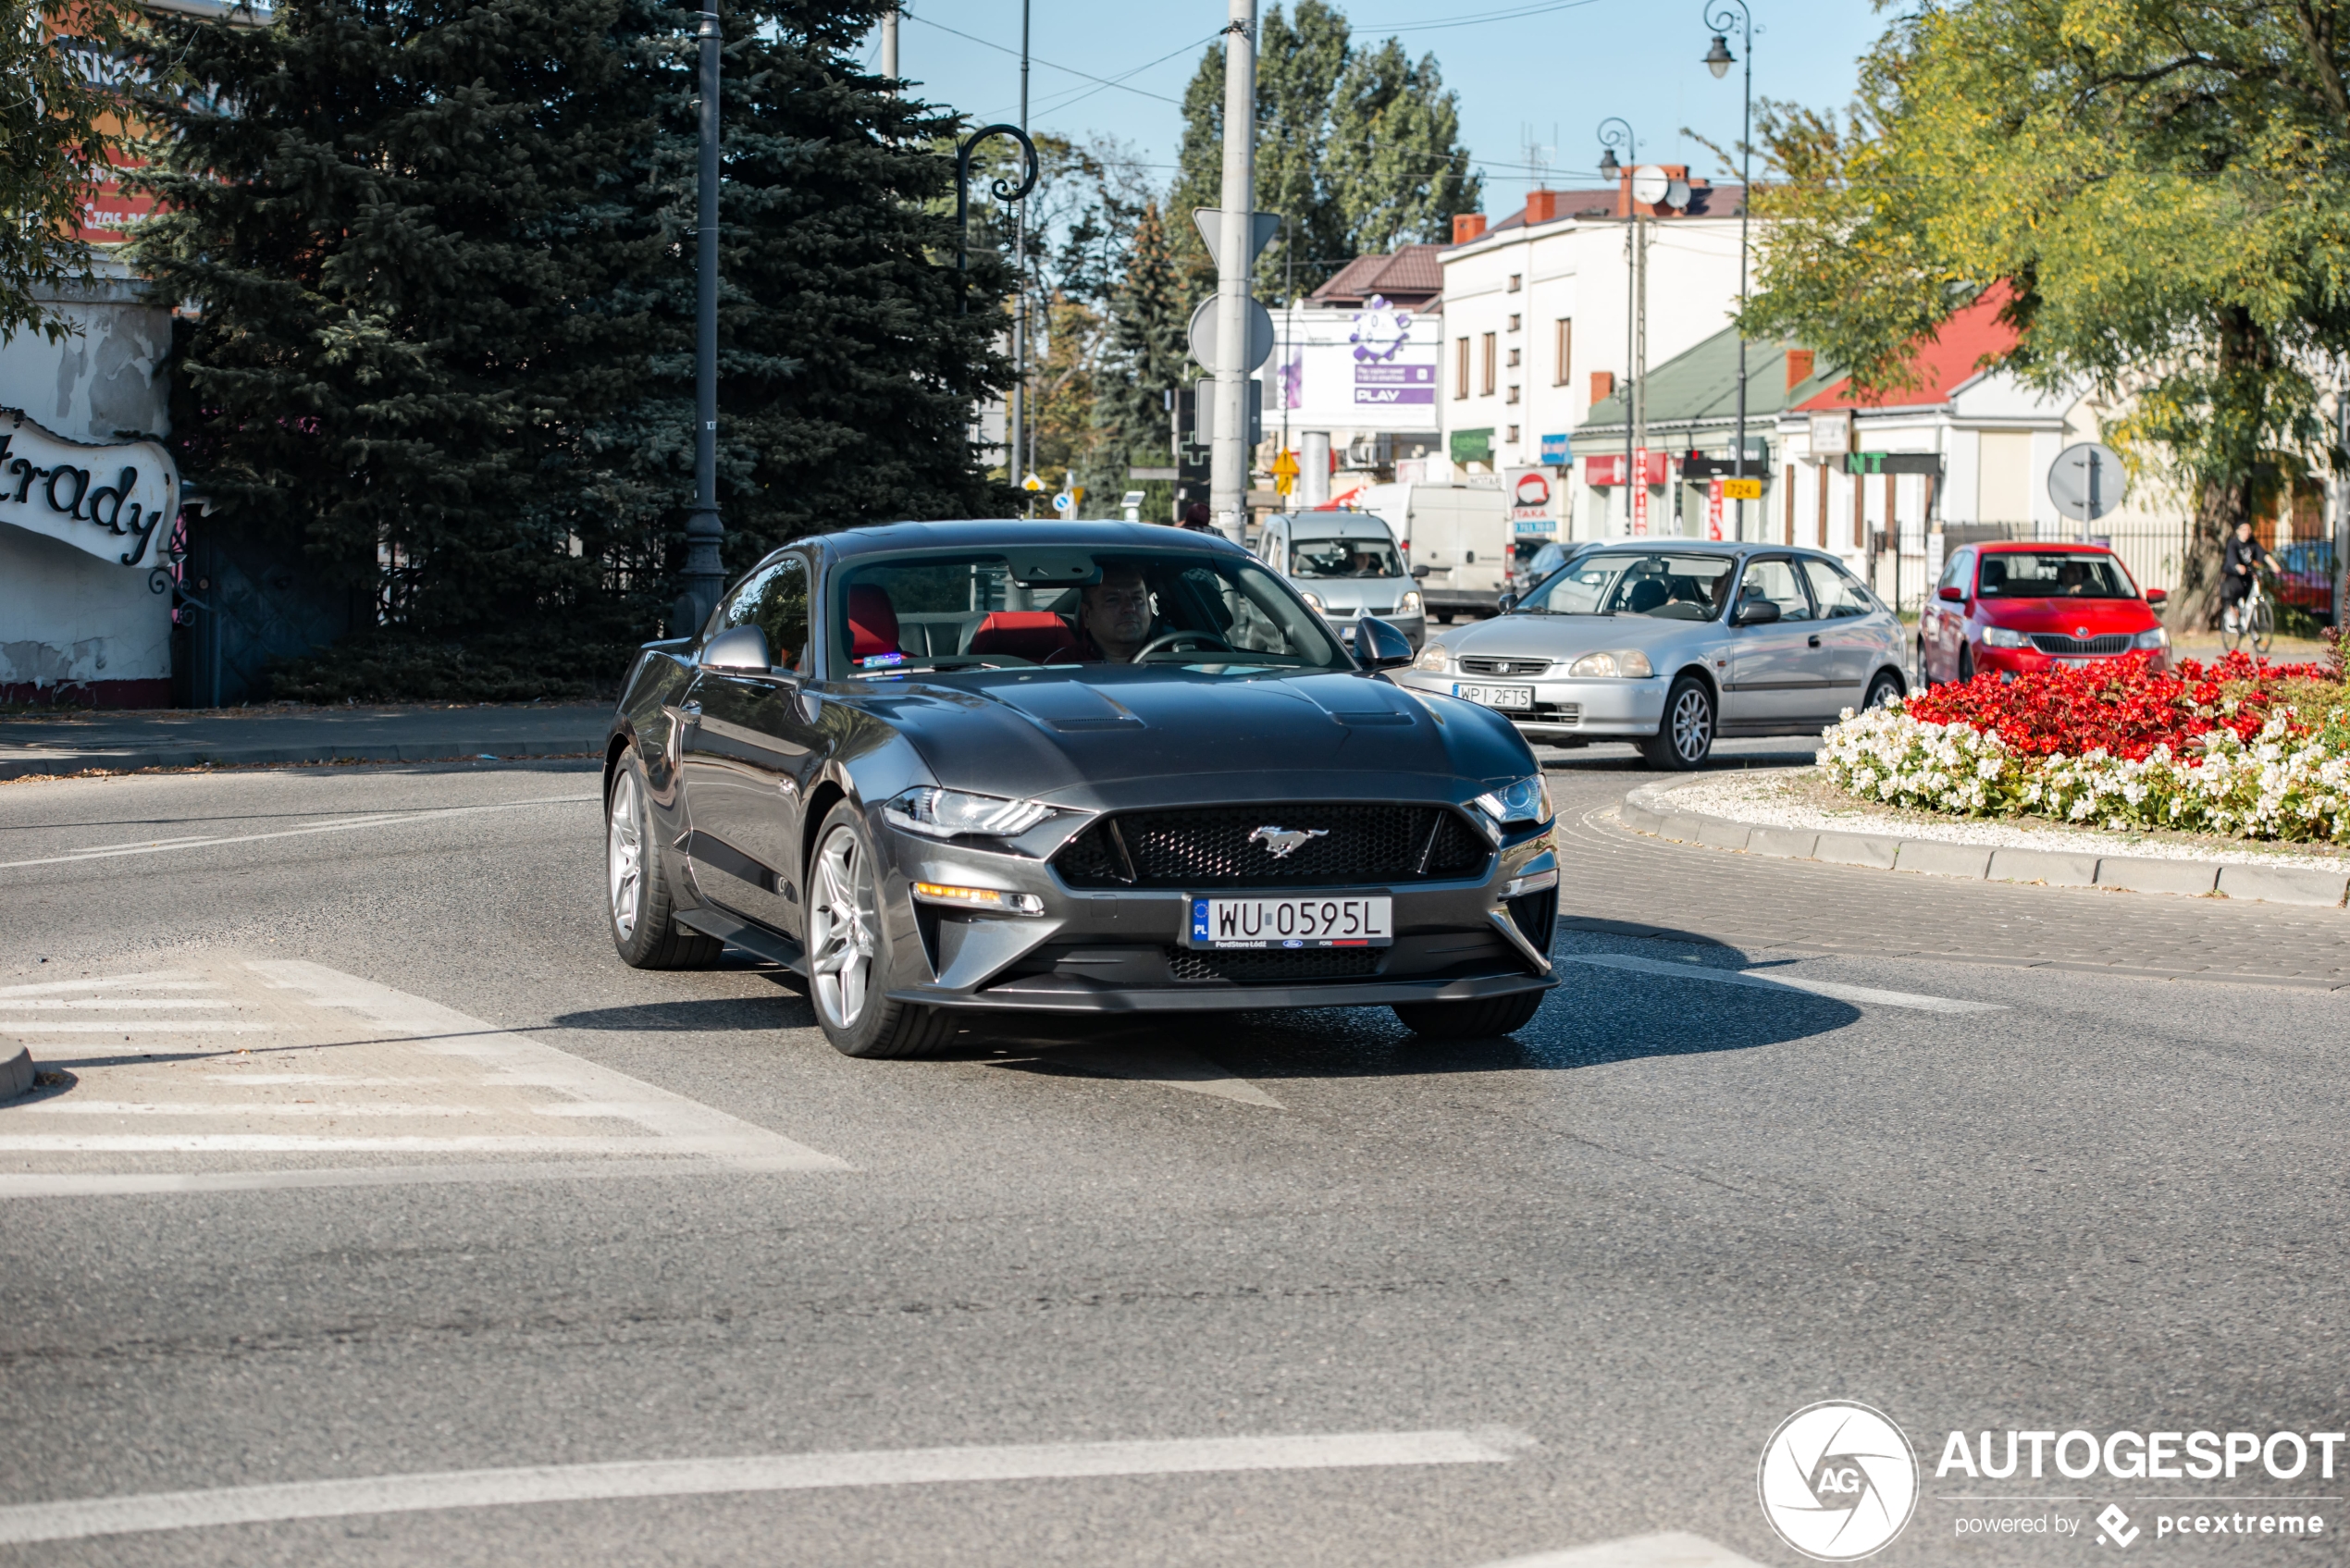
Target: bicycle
[(2256, 619)]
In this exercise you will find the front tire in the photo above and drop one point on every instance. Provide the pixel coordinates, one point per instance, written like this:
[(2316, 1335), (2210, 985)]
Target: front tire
[(848, 950), (640, 910), (1684, 737), (1470, 1020), (1884, 692)]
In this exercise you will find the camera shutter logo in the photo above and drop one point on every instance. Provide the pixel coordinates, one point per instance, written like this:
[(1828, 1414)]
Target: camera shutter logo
[(1839, 1481)]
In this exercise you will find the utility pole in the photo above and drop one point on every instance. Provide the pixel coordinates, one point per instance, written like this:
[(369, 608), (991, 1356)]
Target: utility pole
[(1228, 453), (2341, 513), (889, 46), (1016, 453), (1640, 355), (1616, 131), (704, 579), (1717, 60)]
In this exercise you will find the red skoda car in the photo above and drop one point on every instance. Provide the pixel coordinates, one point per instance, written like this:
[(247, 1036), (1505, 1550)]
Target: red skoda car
[(2018, 606)]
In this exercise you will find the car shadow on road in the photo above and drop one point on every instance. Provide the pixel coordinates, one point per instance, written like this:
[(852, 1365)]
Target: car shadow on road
[(709, 1015)]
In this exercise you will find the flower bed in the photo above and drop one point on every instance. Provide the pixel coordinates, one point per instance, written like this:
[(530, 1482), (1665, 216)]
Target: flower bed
[(2237, 747)]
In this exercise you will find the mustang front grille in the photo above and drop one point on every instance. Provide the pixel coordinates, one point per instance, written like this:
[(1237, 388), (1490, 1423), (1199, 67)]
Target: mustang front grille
[(2057, 642), (1333, 846), (1244, 966)]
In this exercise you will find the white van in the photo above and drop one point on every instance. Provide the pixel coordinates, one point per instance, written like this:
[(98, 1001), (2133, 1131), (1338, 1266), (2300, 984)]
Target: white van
[(1456, 540), (1346, 563)]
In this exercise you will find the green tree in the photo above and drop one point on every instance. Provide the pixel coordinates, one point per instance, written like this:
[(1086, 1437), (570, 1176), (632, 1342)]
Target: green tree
[(444, 258), (58, 124), (1358, 149), (1146, 355), (2160, 186)]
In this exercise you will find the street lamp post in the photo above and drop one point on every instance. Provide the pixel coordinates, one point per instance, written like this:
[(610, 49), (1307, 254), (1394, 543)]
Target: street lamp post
[(704, 579), (1722, 16), (1614, 132)]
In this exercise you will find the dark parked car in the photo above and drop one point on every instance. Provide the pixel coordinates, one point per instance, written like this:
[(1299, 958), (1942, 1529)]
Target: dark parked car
[(946, 768)]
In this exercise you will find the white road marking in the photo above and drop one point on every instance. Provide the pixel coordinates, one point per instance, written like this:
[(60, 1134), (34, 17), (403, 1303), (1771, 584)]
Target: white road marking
[(1779, 980), (104, 1184), (157, 846), (162, 980), (456, 1143), (101, 1004), (688, 1126), (1171, 1068), (70, 1107), (1672, 1549), (80, 1519), (37, 1026)]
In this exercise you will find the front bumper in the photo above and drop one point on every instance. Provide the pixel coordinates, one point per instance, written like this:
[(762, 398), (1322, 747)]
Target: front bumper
[(1564, 709), (1092, 951), (2013, 662)]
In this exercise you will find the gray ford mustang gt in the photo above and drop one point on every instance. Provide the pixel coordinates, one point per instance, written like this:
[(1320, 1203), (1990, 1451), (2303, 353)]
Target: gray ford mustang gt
[(941, 768)]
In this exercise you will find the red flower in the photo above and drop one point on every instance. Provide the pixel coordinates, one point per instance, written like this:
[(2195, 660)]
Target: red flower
[(2123, 706)]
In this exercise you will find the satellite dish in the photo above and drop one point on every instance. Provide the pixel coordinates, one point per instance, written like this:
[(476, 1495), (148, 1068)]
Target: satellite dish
[(2086, 481), (1203, 335), (1649, 184), (1676, 196)]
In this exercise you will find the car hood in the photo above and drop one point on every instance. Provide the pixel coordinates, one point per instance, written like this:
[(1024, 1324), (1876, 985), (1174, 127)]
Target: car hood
[(1106, 734), (1565, 636), (2065, 615)]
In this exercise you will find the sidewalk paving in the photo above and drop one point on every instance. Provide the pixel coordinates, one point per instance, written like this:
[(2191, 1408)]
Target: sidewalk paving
[(122, 742)]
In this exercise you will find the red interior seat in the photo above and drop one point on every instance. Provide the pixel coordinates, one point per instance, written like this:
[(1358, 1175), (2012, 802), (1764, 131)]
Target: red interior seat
[(1033, 635), (872, 622)]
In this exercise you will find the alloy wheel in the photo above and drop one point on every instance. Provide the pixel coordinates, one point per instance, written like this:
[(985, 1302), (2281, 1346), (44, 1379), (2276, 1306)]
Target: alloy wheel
[(1692, 725), (624, 856), (842, 921)]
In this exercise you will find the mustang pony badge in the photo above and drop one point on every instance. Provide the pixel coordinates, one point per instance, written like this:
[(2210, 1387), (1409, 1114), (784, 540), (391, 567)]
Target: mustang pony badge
[(1283, 842)]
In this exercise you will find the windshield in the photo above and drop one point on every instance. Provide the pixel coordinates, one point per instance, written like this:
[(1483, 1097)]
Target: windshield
[(2055, 574), (1671, 587), (976, 612), (1344, 558)]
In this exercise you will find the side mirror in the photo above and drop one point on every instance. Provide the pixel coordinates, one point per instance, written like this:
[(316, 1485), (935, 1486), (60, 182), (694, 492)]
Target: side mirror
[(742, 647), (1418, 572), (1379, 646), (2156, 595), (1509, 603), (1756, 613), (1952, 592)]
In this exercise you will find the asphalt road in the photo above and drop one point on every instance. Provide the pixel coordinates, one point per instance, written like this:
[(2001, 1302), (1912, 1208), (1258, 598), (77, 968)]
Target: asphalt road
[(366, 1159)]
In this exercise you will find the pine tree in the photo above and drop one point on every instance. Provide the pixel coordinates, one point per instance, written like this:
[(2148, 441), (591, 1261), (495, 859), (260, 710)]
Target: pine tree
[(1147, 356)]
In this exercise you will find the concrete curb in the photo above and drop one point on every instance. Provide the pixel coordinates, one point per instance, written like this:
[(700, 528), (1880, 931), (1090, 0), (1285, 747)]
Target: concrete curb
[(58, 764), (16, 1074), (1648, 810)]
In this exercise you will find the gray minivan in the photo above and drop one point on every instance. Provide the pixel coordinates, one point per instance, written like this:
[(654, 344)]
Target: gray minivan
[(1345, 564)]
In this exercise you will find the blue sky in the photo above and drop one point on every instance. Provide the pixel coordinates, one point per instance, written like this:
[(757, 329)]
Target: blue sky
[(1542, 72)]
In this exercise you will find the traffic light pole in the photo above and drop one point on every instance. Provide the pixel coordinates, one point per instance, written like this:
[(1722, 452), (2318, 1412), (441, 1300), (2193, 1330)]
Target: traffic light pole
[(1228, 453)]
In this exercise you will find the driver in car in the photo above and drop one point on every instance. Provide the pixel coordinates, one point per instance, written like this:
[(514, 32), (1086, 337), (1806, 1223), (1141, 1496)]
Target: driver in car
[(1114, 616)]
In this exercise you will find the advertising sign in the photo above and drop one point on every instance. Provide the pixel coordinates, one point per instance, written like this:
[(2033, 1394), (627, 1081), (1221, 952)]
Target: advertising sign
[(1558, 451), (106, 500), (1640, 493), (1714, 508), (1370, 369), (1533, 494)]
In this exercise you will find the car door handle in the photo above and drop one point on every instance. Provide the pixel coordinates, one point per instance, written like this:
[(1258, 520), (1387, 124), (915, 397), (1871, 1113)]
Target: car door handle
[(1816, 641)]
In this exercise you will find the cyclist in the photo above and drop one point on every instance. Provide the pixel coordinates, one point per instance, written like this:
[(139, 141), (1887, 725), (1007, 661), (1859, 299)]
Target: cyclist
[(2243, 557)]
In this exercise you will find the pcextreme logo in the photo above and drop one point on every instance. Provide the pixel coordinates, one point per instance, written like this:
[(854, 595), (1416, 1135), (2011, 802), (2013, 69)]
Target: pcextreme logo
[(1839, 1481)]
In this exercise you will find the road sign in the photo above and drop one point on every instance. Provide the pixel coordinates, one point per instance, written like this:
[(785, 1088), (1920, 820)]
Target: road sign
[(1285, 471), (1031, 483), (2086, 481), (1558, 450), (1064, 503), (1203, 335), (1741, 489), (1211, 228)]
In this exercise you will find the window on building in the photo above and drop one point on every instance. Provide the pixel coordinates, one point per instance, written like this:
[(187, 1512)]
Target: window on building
[(1513, 359), (1514, 323), (1514, 282), (1460, 367), (1512, 437), (1513, 396), (1565, 366), (1484, 382)]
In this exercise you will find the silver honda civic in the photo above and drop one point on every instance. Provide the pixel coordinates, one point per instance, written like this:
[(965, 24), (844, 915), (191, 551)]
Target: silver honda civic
[(1673, 643)]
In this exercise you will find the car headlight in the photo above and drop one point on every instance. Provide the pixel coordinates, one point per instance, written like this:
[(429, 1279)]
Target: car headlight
[(1411, 603), (1528, 800), (949, 813), (1435, 655), (2153, 642), (1314, 600), (1630, 664), (2000, 636)]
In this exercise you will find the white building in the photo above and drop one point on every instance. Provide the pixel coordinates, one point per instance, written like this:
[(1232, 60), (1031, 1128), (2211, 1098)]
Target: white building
[(1538, 324), (1352, 383)]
